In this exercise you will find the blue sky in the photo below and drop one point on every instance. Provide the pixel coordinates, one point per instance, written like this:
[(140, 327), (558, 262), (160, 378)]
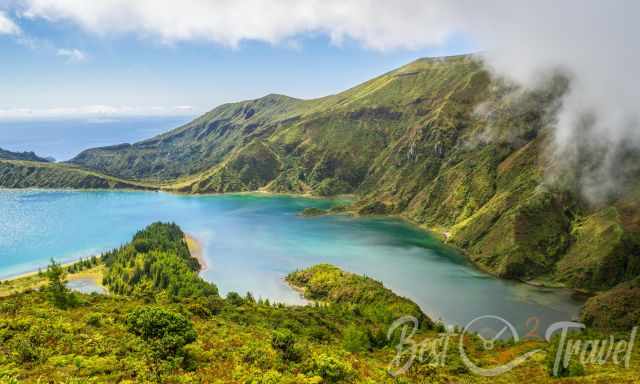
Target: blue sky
[(60, 65)]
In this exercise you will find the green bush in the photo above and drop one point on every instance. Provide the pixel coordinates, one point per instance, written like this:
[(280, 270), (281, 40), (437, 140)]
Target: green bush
[(165, 335), (58, 293), (355, 339), (574, 368), (257, 355), (318, 334), (283, 341), (25, 351), (94, 320), (331, 369), (234, 299)]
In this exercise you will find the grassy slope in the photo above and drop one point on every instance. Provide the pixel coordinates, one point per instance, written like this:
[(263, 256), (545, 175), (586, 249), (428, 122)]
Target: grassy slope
[(27, 156), (333, 342), (195, 147), (27, 174)]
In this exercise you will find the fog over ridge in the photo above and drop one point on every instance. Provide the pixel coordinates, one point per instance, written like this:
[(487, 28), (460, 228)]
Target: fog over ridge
[(597, 127)]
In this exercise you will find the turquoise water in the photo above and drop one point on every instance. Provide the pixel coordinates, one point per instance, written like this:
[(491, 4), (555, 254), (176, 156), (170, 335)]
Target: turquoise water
[(87, 286), (251, 242)]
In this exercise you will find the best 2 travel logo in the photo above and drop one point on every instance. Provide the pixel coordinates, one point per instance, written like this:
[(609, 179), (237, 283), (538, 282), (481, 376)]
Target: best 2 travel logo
[(488, 332)]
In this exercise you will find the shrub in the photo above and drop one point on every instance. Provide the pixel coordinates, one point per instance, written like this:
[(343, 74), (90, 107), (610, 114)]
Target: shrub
[(165, 334), (283, 341), (257, 355), (331, 369), (235, 299), (574, 368), (57, 292), (318, 334), (206, 307), (269, 377), (94, 320), (355, 339), (25, 350), (8, 308)]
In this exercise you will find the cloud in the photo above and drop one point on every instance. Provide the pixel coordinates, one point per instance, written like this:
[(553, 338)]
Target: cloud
[(94, 112), (7, 26), (72, 55), (597, 126), (377, 24), (592, 40)]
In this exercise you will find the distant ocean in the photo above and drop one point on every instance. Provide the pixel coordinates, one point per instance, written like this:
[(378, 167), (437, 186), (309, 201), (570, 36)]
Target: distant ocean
[(64, 139)]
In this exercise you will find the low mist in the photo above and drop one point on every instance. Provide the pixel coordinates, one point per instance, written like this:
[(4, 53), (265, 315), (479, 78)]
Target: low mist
[(597, 126)]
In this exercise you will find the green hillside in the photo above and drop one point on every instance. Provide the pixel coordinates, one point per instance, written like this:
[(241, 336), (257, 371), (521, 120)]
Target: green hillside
[(194, 147), (28, 174), (27, 156)]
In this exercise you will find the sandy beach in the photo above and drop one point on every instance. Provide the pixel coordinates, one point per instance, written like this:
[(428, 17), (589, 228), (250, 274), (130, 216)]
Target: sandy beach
[(35, 272), (195, 247)]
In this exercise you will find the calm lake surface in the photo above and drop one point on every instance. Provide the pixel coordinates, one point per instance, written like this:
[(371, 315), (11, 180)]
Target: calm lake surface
[(251, 242)]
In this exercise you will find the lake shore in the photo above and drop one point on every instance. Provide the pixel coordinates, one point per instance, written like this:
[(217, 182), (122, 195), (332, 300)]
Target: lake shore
[(34, 280), (195, 247), (35, 272)]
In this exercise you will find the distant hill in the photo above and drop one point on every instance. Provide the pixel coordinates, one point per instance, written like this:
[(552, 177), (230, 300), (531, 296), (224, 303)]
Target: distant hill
[(28, 156), (438, 141), (29, 174)]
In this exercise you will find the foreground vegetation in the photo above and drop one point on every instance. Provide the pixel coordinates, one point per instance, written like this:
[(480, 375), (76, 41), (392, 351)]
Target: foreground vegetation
[(164, 324)]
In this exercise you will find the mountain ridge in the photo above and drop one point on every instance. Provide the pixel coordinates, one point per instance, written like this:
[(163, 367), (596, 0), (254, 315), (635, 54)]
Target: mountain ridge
[(26, 156)]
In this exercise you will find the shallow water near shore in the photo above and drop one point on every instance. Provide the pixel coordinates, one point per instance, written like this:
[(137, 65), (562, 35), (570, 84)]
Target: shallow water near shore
[(86, 285), (251, 242)]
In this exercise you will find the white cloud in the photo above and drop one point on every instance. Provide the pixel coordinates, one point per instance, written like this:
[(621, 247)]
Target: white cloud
[(72, 55), (95, 112), (378, 24), (7, 26)]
